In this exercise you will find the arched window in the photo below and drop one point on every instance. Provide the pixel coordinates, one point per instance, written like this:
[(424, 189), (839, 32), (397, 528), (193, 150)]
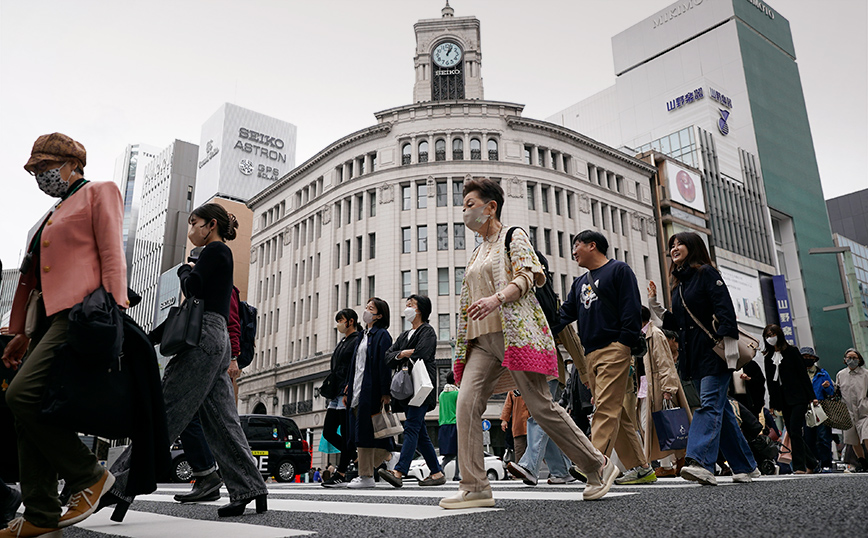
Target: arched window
[(439, 150), (423, 152), (457, 149), (406, 154), (475, 149), (492, 149)]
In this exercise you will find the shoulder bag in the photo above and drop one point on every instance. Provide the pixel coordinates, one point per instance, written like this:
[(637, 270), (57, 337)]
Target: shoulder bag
[(402, 384), (182, 330), (640, 346), (386, 423), (747, 344), (836, 411)]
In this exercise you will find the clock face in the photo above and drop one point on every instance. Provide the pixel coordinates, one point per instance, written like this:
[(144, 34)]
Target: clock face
[(447, 54)]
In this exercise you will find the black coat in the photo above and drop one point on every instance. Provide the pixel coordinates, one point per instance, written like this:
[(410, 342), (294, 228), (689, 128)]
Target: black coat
[(794, 385), (342, 357), (376, 383), (424, 345), (707, 296)]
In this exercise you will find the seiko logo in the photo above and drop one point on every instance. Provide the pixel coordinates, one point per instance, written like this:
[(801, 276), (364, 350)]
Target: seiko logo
[(675, 11), (260, 138), (443, 72)]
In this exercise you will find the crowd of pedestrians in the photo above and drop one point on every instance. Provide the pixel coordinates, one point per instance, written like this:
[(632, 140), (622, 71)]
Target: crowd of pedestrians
[(626, 368)]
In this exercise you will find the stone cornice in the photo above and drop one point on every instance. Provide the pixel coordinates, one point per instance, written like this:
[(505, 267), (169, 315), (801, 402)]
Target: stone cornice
[(524, 124), (375, 131), (423, 105)]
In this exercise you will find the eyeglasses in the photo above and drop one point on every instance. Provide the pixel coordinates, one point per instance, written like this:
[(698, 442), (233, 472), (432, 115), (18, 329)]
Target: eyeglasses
[(44, 166)]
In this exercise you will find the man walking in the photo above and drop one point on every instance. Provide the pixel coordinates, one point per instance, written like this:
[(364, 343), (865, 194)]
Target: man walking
[(605, 302)]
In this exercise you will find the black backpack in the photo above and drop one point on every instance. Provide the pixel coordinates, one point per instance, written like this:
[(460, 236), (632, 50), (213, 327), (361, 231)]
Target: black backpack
[(548, 299), (247, 318)]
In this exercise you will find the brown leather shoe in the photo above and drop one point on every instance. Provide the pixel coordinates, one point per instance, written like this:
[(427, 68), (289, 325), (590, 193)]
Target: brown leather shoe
[(21, 528), (83, 503), (666, 473)]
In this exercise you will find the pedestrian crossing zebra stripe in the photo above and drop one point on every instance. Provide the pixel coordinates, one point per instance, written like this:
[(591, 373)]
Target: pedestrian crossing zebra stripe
[(148, 525)]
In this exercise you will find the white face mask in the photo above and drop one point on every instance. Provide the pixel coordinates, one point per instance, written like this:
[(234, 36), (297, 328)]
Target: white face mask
[(410, 313), (367, 317), (341, 327), (772, 340), (852, 363), (475, 219)]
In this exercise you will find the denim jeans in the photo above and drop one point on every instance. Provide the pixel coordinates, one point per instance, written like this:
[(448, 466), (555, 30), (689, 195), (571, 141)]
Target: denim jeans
[(196, 448), (819, 440), (714, 428), (196, 380), (539, 445), (416, 436)]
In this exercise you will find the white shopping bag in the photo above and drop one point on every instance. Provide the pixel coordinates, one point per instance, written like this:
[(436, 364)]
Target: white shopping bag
[(815, 416), (421, 383)]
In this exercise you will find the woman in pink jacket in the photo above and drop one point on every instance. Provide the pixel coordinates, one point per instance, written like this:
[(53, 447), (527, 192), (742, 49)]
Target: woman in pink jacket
[(77, 248)]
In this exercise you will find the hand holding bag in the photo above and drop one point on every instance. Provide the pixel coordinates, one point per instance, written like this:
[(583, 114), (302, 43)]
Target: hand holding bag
[(402, 384), (183, 328), (386, 423), (672, 425), (815, 416), (421, 383)]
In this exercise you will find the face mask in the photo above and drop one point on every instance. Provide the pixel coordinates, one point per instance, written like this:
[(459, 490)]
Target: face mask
[(853, 363), (475, 219), (410, 314), (367, 317), (809, 364), (51, 183), (341, 326), (772, 340)]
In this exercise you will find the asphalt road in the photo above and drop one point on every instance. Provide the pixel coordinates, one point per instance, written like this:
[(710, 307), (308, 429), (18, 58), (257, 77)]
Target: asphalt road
[(812, 505)]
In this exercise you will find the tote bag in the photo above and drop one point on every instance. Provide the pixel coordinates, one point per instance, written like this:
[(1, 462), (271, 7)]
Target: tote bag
[(672, 425), (422, 385), (402, 384), (386, 424), (182, 330), (815, 416)]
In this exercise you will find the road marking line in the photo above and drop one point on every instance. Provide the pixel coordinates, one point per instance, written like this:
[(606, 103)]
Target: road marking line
[(531, 494), (149, 525)]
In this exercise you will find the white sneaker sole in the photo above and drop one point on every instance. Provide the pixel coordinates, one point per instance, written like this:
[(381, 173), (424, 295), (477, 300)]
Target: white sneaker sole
[(688, 475), (474, 503)]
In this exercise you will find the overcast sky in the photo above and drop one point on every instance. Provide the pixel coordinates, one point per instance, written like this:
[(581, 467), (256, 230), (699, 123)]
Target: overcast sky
[(111, 73)]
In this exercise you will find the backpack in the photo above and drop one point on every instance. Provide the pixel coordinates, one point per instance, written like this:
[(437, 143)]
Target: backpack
[(247, 318), (545, 295)]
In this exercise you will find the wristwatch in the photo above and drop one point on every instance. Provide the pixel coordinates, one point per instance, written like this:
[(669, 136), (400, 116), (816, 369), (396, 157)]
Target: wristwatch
[(500, 297)]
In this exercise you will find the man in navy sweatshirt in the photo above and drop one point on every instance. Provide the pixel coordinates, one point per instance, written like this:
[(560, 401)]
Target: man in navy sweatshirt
[(609, 324)]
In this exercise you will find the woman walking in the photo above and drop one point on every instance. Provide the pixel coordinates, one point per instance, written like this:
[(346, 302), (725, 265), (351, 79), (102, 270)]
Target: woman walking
[(415, 347), (198, 379), (698, 296), (368, 390), (504, 342), (77, 248), (853, 382), (790, 392)]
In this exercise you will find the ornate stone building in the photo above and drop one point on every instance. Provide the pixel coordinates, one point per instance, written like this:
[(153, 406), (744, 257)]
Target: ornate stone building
[(378, 213)]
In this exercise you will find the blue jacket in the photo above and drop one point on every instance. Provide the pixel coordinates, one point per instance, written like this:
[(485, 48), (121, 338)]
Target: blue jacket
[(819, 390)]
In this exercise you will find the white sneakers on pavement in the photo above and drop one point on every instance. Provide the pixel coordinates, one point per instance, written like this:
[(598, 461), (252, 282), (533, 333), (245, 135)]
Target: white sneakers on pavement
[(362, 482), (468, 499), (699, 474), (599, 485)]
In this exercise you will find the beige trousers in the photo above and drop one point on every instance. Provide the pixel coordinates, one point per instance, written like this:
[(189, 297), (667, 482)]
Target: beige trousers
[(614, 422), (481, 372), (370, 459)]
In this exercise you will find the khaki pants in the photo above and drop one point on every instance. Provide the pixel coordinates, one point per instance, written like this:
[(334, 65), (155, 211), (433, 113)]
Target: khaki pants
[(481, 372), (44, 450), (370, 459), (613, 425)]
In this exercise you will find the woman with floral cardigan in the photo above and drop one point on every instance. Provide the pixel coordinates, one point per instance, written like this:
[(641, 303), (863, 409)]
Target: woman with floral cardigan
[(500, 280)]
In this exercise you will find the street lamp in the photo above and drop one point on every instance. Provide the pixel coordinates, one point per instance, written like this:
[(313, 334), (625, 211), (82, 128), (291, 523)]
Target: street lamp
[(858, 324)]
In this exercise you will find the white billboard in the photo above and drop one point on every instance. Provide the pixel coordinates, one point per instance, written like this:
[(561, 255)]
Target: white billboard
[(746, 296), (684, 186)]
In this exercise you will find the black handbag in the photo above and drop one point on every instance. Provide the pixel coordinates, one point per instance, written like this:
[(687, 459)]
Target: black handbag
[(96, 330), (329, 389), (182, 329)]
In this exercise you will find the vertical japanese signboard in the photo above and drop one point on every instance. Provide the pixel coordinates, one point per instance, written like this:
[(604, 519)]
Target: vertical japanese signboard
[(782, 299)]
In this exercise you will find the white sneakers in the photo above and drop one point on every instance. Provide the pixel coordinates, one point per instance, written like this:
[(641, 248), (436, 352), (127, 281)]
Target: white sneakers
[(468, 499), (599, 485), (746, 478), (700, 474), (362, 482)]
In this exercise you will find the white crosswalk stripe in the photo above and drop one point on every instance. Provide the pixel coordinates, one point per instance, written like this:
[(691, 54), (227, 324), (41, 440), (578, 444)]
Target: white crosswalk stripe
[(148, 525)]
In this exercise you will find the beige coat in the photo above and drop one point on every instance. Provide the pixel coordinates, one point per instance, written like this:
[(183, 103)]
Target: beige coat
[(662, 377)]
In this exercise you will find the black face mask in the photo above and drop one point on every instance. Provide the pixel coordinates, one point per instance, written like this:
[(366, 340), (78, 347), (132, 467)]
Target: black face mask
[(809, 363)]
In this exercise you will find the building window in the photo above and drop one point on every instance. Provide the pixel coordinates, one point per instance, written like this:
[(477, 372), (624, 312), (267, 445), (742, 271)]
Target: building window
[(360, 206), (561, 244), (421, 196), (564, 290), (422, 238), (372, 203), (458, 236), (442, 194), (443, 281), (492, 149), (422, 281), (439, 150), (406, 288), (475, 149), (347, 251), (337, 216), (531, 196), (406, 241), (547, 239), (442, 237), (557, 201), (459, 279), (406, 155), (569, 205), (443, 327), (373, 162), (532, 235), (541, 156), (457, 149), (358, 291), (337, 260), (359, 248), (458, 192), (423, 151), (527, 150), (544, 196), (405, 198), (371, 287), (566, 164), (372, 246)]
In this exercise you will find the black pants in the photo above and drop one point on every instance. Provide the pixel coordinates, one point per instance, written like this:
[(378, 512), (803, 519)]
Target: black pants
[(333, 419), (794, 418)]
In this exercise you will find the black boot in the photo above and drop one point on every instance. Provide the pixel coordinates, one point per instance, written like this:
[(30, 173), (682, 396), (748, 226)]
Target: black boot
[(236, 508), (205, 489), (110, 499)]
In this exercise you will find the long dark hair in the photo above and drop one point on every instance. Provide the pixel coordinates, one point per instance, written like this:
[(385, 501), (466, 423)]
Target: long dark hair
[(382, 310), (773, 330), (226, 222), (697, 253)]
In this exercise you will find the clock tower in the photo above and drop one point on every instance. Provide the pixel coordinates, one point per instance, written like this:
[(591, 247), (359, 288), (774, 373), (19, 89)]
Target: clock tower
[(448, 58)]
